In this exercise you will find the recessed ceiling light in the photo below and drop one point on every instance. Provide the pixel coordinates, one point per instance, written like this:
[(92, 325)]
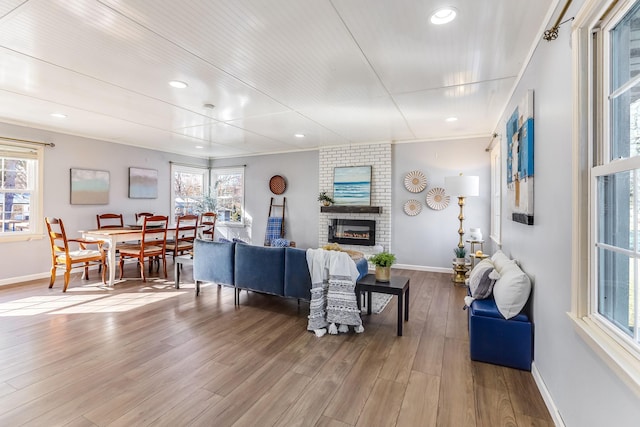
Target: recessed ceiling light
[(299, 135), (59, 115), (451, 119), (199, 146), (443, 16), (178, 84)]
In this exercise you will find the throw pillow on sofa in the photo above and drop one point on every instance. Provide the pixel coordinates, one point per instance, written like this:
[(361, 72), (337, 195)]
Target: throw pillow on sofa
[(499, 260), (511, 291), (482, 278)]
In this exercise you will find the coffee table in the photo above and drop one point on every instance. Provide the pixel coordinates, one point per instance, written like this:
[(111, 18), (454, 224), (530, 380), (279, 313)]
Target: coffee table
[(398, 285)]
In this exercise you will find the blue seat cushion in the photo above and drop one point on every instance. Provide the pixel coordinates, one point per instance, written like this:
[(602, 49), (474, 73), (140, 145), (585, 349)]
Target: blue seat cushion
[(488, 308)]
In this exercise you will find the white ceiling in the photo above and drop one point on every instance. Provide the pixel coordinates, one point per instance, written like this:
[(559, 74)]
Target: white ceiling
[(337, 71)]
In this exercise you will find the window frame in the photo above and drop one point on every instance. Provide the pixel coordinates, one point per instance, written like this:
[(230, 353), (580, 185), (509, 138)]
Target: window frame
[(34, 152), (496, 193), (228, 170), (209, 178), (178, 168), (590, 147)]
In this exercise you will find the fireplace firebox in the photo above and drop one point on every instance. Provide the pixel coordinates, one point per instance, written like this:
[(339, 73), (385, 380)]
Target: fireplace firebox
[(353, 232)]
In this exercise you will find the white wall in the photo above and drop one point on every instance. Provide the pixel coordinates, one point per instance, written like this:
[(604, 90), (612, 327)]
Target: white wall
[(32, 259), (586, 392), (427, 240), (301, 217)]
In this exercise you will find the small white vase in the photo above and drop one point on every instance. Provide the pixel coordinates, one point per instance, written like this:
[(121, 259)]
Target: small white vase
[(475, 234)]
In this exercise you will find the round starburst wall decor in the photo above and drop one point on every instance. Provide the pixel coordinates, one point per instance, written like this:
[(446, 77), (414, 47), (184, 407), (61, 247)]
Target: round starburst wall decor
[(412, 207), (437, 199), (415, 181)]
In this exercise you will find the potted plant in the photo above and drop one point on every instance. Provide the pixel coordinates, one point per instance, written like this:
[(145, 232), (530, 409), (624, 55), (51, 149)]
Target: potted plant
[(383, 262), (461, 253), (324, 198)]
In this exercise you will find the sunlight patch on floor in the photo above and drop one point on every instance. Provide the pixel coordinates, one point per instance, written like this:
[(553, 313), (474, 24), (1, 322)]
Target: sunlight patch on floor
[(69, 303)]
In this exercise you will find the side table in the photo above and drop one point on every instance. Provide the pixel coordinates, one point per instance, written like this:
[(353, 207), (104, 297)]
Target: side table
[(177, 266), (398, 285), (460, 272), (473, 243), (477, 258)]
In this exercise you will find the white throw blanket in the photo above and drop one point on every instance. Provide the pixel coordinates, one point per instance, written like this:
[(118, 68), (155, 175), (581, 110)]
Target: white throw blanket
[(333, 299)]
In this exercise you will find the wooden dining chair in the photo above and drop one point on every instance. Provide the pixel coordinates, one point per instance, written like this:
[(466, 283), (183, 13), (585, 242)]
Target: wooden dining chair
[(142, 214), (110, 220), (62, 256), (152, 245), (209, 224), (185, 234)]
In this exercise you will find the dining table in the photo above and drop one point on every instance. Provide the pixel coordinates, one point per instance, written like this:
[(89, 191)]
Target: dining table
[(113, 236)]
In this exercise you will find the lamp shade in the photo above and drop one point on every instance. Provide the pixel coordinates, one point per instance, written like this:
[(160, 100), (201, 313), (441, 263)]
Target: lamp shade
[(462, 186)]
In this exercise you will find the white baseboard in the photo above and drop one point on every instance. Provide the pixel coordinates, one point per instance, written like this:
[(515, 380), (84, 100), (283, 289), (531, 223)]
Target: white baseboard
[(423, 268), (37, 276), (22, 279), (546, 396)]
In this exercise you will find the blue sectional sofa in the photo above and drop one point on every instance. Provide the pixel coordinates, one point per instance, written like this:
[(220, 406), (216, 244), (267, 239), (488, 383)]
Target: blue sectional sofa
[(270, 270)]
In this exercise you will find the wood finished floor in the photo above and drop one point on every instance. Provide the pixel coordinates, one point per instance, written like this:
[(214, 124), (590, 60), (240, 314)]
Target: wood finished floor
[(148, 354)]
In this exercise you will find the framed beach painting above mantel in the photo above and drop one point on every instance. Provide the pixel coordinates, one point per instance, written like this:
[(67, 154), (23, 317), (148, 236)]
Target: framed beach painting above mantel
[(89, 187), (352, 186), (143, 183)]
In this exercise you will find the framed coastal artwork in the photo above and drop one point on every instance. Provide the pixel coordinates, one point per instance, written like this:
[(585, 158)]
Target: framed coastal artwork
[(520, 171), (352, 186), (143, 183), (89, 187)]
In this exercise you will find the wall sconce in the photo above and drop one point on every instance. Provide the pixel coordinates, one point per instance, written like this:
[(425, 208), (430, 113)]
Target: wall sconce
[(462, 186)]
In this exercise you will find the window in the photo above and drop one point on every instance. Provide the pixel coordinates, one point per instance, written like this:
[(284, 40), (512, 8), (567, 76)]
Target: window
[(496, 193), (189, 190), (616, 180), (606, 233), (193, 193), (228, 192), (20, 191)]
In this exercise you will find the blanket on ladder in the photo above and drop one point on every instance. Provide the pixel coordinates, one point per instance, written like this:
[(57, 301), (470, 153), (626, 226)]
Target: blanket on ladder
[(333, 299)]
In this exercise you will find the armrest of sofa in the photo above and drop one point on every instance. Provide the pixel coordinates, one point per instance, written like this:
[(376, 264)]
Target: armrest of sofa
[(363, 268), (213, 261)]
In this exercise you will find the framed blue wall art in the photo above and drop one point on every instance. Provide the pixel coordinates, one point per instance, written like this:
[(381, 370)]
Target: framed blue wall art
[(352, 186)]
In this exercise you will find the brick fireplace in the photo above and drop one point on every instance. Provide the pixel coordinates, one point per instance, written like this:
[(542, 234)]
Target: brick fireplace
[(379, 157)]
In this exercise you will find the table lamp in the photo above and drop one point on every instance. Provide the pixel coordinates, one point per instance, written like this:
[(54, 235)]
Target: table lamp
[(462, 186)]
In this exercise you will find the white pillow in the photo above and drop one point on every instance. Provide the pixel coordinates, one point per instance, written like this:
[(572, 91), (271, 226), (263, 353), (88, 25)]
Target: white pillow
[(511, 291), (480, 283), (499, 260)]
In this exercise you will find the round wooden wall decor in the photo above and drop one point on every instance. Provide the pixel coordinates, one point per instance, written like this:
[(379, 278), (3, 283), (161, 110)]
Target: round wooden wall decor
[(277, 184)]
